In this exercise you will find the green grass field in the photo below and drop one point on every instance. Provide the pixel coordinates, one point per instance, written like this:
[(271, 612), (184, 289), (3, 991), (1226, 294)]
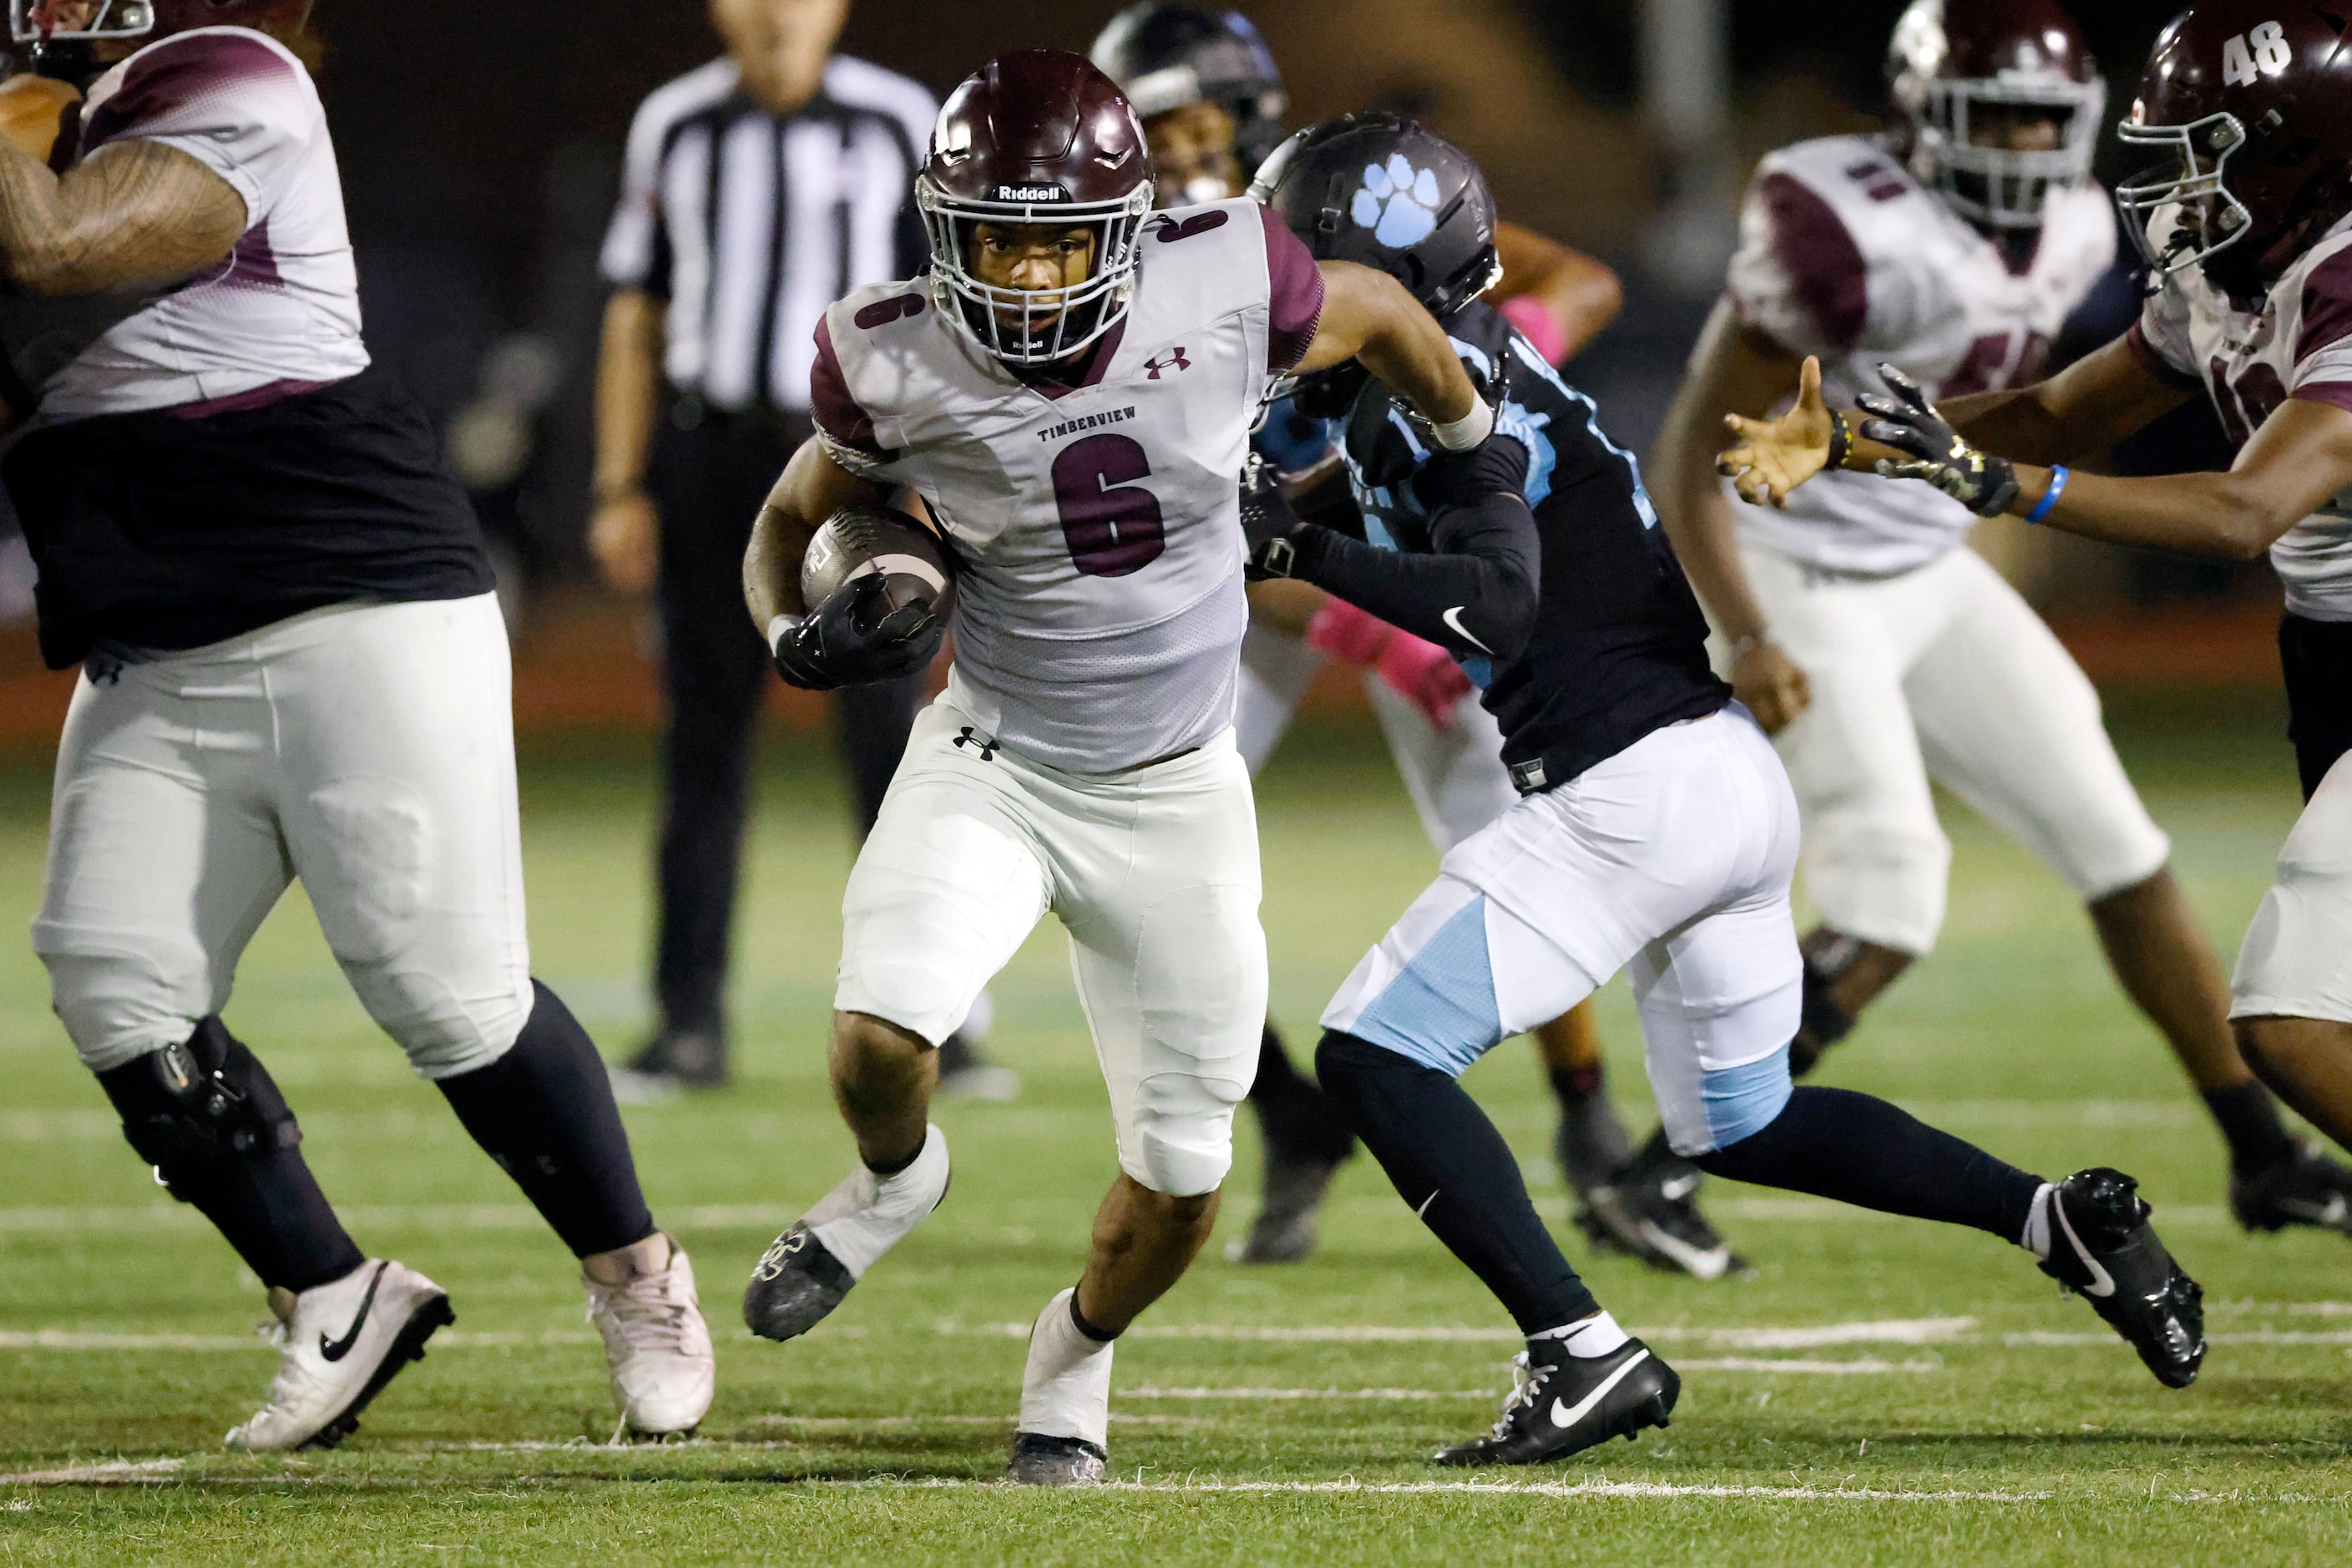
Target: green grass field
[(1880, 1390)]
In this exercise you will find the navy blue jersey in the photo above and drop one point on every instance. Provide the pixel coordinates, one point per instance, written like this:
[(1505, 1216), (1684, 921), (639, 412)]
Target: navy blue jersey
[(1618, 647)]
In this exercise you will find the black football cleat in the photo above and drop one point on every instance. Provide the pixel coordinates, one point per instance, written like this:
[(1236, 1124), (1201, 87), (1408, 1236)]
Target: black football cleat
[(1650, 1210), (1039, 1461), (795, 1283), (2102, 1246), (1564, 1404), (1289, 1215), (2306, 1189)]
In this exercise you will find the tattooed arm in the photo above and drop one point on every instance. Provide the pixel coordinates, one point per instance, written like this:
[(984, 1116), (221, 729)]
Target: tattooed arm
[(134, 215)]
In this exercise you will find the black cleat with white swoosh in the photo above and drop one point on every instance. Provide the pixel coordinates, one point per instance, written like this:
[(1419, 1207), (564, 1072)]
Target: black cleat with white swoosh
[(1564, 1404), (2102, 1246), (2307, 1188)]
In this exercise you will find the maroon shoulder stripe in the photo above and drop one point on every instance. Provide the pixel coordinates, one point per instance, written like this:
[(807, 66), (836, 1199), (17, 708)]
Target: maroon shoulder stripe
[(1811, 243)]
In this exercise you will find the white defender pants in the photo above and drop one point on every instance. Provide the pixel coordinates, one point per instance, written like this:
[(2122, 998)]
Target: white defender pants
[(2296, 960), (366, 749), (1670, 860), (1941, 673), (1154, 872)]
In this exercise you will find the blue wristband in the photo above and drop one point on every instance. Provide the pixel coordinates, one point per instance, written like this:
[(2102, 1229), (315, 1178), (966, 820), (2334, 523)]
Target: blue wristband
[(2049, 500)]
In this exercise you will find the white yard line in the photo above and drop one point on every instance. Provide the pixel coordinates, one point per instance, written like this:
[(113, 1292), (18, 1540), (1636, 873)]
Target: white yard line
[(76, 1340), (121, 1218), (1868, 1365), (106, 1473), (1503, 1489), (1900, 1332)]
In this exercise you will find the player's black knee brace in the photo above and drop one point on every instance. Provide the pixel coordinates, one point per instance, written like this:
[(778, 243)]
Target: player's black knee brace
[(188, 1106)]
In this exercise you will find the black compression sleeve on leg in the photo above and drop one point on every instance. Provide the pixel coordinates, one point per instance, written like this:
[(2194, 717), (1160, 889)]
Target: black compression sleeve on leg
[(209, 1119), (1454, 1171), (544, 1111), (1835, 1143), (1299, 1119)]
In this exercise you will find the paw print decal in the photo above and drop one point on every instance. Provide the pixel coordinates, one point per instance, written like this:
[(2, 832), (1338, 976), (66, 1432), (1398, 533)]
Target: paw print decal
[(1397, 202)]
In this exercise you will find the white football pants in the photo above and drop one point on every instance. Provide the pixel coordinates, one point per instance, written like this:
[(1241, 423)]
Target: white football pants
[(2296, 960), (1943, 673), (366, 749), (1153, 871), (1453, 772), (1670, 860)]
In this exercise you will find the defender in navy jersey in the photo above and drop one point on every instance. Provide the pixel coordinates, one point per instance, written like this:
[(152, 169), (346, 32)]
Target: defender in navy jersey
[(293, 667), (1655, 832)]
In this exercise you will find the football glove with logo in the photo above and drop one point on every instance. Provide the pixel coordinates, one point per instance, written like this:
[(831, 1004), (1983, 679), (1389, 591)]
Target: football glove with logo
[(855, 639), (1979, 481), (1271, 525)]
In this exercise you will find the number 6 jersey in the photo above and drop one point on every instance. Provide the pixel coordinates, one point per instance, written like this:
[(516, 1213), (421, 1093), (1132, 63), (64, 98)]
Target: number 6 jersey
[(1843, 255), (1099, 611)]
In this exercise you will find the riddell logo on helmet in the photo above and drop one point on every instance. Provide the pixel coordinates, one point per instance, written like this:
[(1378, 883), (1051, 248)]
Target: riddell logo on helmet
[(1028, 194)]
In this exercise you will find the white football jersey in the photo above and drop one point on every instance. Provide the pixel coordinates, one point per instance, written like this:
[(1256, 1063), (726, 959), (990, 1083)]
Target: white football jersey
[(282, 310), (2299, 345), (1099, 612), (1845, 255)]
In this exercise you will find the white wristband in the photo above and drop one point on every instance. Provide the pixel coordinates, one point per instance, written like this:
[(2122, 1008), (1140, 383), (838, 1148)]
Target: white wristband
[(1460, 435)]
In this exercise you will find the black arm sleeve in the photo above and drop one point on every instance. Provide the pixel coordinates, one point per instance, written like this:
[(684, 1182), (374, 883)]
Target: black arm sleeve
[(1474, 594)]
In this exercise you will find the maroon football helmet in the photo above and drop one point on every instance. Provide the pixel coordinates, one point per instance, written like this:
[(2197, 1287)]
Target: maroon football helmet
[(1038, 137), (1950, 58), (2251, 100), (83, 21)]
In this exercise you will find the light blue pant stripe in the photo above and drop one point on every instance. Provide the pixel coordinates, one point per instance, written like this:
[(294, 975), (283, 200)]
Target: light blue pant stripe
[(1741, 1101), (1440, 1010)]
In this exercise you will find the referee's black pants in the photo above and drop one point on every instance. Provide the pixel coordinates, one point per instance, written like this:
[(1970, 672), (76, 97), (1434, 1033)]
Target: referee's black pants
[(709, 476)]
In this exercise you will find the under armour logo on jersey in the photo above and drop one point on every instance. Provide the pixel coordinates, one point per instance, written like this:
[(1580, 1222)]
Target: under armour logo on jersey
[(1397, 202), (1175, 361), (978, 742)]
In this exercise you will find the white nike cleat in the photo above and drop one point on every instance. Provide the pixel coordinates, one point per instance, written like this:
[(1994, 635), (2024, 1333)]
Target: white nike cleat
[(642, 1300), (806, 1271), (342, 1343), (1064, 1403)]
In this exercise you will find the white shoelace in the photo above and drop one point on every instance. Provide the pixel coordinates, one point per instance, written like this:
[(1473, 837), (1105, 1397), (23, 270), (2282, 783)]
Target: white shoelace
[(1526, 1389), (650, 1315)]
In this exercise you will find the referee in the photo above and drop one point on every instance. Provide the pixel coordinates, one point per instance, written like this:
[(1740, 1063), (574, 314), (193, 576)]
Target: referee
[(758, 190)]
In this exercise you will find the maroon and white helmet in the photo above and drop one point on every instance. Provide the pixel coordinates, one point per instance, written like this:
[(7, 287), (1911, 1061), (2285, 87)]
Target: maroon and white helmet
[(2250, 102), (1036, 137), (87, 21), (1950, 59)]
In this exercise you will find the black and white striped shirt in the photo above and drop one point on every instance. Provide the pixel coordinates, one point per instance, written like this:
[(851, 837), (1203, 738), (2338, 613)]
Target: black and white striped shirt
[(749, 224)]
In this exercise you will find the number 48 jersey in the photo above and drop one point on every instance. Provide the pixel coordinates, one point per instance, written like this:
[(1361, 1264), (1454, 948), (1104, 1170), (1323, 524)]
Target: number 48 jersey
[(1843, 255), (1098, 609)]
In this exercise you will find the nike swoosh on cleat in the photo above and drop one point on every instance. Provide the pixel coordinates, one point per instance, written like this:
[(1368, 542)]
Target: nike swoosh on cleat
[(2101, 1283), (1452, 617), (342, 1347), (1561, 1418)]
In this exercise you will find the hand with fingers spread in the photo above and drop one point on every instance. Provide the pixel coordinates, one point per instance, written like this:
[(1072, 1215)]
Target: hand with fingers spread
[(1770, 457), (1907, 422)]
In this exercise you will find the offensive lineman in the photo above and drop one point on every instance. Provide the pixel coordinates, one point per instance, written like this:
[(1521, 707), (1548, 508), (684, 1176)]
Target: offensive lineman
[(293, 665), (1071, 393), (2246, 225), (1655, 832), (1954, 251), (1210, 100)]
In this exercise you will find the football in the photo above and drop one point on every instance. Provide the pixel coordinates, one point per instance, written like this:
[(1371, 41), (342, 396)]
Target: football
[(858, 541)]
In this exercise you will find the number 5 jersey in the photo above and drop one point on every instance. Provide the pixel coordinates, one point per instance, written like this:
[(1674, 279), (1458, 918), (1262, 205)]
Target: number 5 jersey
[(1843, 255), (1096, 519)]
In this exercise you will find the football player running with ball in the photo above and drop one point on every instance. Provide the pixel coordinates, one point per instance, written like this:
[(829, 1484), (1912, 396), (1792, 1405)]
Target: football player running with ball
[(293, 667), (2246, 227), (1210, 100), (1655, 832), (1070, 391), (1954, 250)]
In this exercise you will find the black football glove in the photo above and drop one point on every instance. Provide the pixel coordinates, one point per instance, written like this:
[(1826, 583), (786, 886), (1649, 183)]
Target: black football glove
[(854, 639), (1979, 481), (1270, 525)]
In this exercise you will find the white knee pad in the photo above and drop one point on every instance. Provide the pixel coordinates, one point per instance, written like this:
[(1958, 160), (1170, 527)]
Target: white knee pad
[(116, 1006), (446, 1031), (1880, 882), (1178, 1136)]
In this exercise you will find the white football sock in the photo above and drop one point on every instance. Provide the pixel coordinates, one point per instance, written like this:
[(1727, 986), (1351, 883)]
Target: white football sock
[(1598, 1335), (1066, 1387), (864, 1217), (2036, 1239)]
